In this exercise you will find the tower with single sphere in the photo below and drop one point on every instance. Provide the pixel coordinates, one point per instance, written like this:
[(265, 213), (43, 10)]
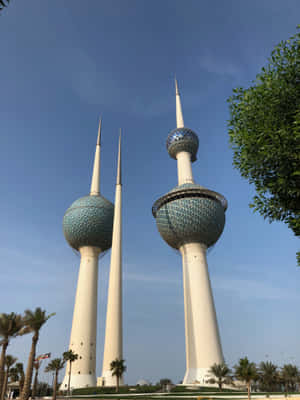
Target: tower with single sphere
[(191, 218), (87, 226)]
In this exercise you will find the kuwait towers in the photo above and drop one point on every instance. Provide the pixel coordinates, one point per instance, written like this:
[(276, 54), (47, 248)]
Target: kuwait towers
[(88, 226), (113, 346), (191, 218)]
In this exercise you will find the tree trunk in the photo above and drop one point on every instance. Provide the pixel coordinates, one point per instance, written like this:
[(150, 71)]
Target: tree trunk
[(249, 390), (4, 384), (35, 382), (69, 382), (21, 384), (117, 387), (28, 377), (2, 363), (54, 385), (220, 385)]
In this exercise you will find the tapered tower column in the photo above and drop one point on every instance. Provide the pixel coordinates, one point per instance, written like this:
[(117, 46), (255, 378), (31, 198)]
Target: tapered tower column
[(87, 227), (113, 346), (84, 326), (203, 346), (190, 219)]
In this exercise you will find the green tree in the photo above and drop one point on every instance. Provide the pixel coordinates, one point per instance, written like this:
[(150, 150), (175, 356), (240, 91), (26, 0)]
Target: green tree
[(9, 362), (268, 376), (247, 372), (33, 322), (70, 357), (290, 376), (13, 375), (21, 376), (222, 374), (55, 366), (118, 368), (264, 131), (10, 326), (36, 366), (3, 3)]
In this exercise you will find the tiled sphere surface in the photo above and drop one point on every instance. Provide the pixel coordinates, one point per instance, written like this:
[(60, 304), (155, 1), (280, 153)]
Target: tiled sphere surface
[(89, 222), (182, 139), (190, 219)]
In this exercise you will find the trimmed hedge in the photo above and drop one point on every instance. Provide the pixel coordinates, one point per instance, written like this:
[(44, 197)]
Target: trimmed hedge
[(112, 390)]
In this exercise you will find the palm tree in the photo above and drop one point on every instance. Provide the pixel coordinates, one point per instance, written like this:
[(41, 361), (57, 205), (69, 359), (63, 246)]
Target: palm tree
[(221, 372), (246, 371), (33, 321), (55, 366), (289, 375), (36, 366), (9, 362), (10, 326), (13, 374), (268, 375), (118, 368), (71, 357), (21, 376)]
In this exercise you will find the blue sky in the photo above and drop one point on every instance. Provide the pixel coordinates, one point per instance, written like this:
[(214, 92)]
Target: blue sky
[(65, 63)]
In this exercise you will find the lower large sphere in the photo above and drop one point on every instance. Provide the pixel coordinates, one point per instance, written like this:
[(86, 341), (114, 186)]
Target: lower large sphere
[(190, 217), (89, 222)]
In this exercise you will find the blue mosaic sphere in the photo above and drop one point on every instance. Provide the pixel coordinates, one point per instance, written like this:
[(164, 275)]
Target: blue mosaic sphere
[(182, 139), (89, 222), (190, 213)]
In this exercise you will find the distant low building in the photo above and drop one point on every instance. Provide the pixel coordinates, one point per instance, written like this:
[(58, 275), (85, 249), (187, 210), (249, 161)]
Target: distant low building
[(143, 382)]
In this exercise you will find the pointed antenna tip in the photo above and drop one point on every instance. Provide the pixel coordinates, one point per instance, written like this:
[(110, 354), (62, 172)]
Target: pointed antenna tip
[(176, 86), (99, 132)]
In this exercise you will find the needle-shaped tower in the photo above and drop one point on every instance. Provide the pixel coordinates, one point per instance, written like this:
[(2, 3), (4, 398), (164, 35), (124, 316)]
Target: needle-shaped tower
[(113, 346), (87, 227), (191, 218)]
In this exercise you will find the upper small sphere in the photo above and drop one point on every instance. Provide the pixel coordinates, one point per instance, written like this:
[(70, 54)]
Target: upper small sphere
[(190, 214), (183, 139), (89, 222)]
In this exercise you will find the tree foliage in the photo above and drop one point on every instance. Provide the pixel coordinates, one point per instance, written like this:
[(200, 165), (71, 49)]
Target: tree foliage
[(290, 376), (55, 366), (246, 371), (221, 373), (268, 376), (3, 4), (118, 368), (264, 130), (70, 356), (10, 327), (33, 322)]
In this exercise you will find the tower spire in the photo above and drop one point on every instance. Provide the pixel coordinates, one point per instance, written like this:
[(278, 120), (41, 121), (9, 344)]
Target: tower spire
[(179, 116), (119, 170), (95, 185)]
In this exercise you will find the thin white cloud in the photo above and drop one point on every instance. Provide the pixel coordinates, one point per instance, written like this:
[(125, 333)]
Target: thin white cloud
[(211, 63)]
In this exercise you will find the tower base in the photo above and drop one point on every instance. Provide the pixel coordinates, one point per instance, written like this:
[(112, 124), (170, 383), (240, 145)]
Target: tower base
[(108, 380), (200, 376), (78, 381)]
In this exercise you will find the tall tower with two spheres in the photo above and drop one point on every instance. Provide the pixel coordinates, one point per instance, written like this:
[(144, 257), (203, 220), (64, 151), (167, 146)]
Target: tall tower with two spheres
[(191, 218), (88, 226)]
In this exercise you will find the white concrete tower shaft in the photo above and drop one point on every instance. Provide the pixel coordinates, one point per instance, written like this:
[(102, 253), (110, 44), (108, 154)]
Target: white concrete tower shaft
[(113, 347), (84, 324), (184, 165), (203, 345)]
